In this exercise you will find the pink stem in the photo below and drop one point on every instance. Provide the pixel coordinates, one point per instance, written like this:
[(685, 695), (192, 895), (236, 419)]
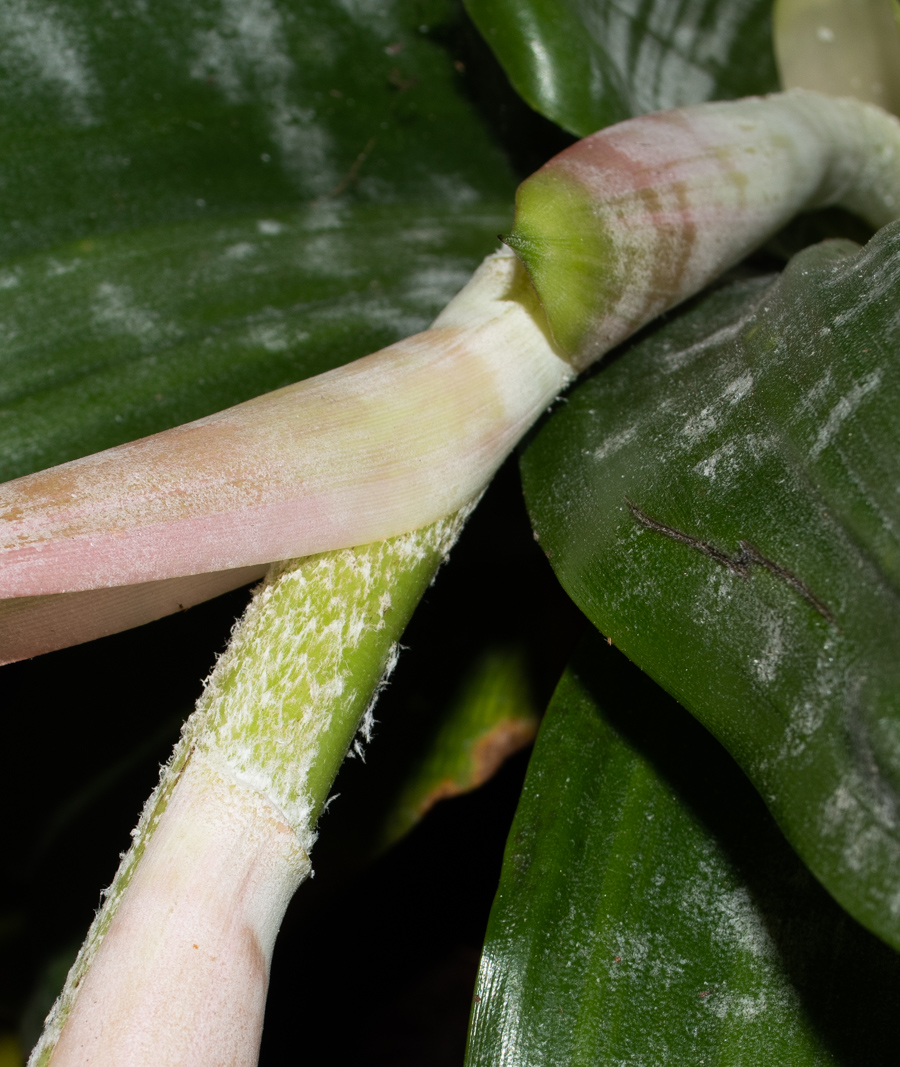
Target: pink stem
[(181, 974)]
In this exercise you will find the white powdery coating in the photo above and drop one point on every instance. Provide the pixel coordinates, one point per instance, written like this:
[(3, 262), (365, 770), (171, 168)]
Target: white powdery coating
[(33, 35), (294, 646), (272, 336), (114, 311), (453, 191), (682, 357), (734, 459), (270, 227), (615, 442), (843, 410), (247, 54), (765, 666), (699, 426), (290, 676), (240, 251)]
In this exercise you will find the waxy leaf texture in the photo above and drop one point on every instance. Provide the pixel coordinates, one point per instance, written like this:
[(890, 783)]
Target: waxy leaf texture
[(586, 64), (649, 910), (722, 503)]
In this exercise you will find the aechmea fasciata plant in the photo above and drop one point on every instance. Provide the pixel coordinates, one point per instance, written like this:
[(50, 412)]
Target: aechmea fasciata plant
[(614, 231)]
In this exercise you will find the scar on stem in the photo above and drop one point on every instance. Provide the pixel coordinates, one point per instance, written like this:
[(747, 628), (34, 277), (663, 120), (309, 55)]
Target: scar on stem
[(352, 174), (739, 564)]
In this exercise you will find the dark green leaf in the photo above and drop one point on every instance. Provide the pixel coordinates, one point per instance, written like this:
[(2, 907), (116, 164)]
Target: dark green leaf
[(586, 64), (116, 116), (723, 502), (649, 911), (204, 201)]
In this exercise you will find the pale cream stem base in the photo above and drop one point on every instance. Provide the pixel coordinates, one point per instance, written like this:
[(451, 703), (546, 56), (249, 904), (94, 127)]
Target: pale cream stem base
[(199, 921)]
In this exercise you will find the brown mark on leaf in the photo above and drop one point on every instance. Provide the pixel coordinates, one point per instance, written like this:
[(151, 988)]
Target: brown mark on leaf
[(739, 564), (487, 755), (352, 175)]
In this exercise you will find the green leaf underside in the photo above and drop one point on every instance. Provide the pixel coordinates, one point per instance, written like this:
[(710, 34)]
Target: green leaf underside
[(112, 338), (650, 912), (755, 572), (204, 201), (587, 64)]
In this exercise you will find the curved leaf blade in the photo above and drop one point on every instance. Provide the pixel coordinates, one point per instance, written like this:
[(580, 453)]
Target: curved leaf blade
[(722, 503), (586, 64), (491, 716), (649, 911)]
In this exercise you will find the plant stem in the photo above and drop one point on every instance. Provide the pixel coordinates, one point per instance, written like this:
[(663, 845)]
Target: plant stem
[(176, 963), (389, 443)]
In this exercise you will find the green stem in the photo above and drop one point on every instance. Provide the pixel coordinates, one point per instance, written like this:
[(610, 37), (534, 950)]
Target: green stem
[(276, 718)]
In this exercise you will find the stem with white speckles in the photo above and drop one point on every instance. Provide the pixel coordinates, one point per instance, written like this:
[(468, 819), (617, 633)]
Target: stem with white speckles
[(175, 966), (611, 232)]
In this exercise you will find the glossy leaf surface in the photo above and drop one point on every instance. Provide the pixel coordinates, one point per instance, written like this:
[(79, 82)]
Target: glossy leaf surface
[(118, 116), (204, 201), (586, 64), (649, 910), (722, 502)]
